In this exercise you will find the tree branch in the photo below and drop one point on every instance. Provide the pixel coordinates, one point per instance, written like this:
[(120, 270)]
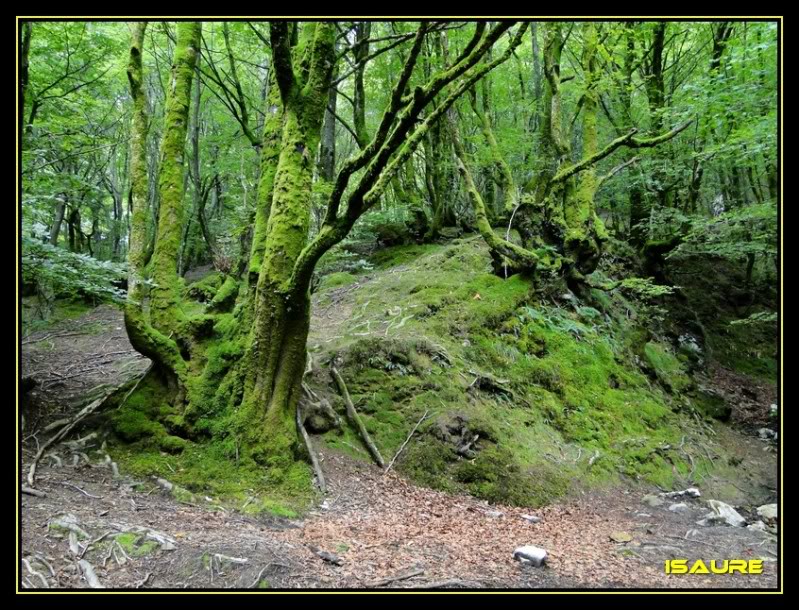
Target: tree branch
[(628, 140), (281, 57)]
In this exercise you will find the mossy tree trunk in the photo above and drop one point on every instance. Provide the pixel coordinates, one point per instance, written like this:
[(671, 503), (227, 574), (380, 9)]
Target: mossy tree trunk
[(275, 357), (156, 331)]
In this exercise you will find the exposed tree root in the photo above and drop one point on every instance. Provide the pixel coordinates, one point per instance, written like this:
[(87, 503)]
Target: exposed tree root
[(90, 575), (403, 576), (86, 411), (33, 492)]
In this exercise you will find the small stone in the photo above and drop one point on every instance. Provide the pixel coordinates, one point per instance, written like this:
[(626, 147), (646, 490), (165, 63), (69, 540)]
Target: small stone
[(679, 507), (531, 518), (495, 514), (768, 512), (773, 408), (531, 554), (758, 526), (621, 537), (652, 500), (767, 434)]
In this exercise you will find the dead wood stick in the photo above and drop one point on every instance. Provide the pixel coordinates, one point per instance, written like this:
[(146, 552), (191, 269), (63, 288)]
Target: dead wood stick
[(446, 584), (355, 419), (402, 576), (85, 493), (320, 477), (407, 440)]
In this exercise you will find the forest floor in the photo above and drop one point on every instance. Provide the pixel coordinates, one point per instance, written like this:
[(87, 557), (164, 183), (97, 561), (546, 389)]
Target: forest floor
[(383, 530)]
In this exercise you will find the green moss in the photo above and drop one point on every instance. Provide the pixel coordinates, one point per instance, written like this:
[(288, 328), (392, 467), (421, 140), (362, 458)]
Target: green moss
[(391, 257), (667, 368), (172, 444), (337, 280), (136, 545), (205, 289), (225, 297), (571, 405), (211, 469)]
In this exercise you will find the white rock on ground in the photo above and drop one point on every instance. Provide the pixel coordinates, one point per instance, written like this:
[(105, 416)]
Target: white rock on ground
[(530, 554), (767, 434), (768, 512), (679, 507), (722, 513), (531, 518), (757, 526)]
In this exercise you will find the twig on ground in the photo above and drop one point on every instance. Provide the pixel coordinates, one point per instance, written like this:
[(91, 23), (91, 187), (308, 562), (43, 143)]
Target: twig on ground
[(32, 492), (407, 440), (402, 576), (85, 493)]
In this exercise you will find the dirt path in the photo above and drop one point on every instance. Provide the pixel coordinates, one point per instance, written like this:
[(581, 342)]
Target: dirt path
[(75, 361), (379, 527)]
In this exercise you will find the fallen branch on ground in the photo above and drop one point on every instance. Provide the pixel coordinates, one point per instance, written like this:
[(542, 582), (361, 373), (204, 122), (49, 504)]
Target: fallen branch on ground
[(355, 419), (33, 492), (396, 455), (402, 576), (85, 493), (320, 477)]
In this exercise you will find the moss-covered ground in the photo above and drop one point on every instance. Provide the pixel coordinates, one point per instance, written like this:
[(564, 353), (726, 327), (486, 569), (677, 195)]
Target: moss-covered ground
[(524, 398)]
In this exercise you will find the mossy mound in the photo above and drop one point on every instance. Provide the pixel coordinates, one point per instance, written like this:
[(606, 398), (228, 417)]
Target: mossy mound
[(551, 398)]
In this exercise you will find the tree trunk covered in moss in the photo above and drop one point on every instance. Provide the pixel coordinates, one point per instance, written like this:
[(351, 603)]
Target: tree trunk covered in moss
[(502, 174), (270, 152), (327, 149), (165, 312), (151, 331), (363, 31), (275, 356), (585, 232)]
